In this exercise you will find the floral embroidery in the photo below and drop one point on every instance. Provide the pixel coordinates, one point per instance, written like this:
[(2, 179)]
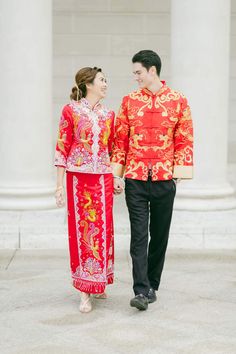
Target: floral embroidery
[(92, 266), (85, 138), (60, 159)]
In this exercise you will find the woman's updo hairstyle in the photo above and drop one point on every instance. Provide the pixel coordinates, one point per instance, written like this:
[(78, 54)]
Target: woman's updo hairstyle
[(84, 76)]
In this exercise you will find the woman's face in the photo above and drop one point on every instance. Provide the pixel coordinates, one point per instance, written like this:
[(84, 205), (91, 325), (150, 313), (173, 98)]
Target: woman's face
[(98, 87)]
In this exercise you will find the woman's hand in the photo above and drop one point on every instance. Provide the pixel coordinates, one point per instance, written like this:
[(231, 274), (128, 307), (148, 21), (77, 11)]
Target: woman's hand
[(60, 197), (118, 185)]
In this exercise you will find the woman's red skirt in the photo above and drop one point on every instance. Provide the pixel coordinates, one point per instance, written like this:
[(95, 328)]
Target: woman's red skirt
[(90, 228)]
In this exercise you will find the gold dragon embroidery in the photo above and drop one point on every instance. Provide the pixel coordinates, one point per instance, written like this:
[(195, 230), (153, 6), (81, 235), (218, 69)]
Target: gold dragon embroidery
[(61, 141), (90, 211), (89, 238), (106, 133), (147, 100)]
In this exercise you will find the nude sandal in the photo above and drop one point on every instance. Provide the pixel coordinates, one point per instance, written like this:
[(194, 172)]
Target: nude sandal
[(100, 296), (85, 303)]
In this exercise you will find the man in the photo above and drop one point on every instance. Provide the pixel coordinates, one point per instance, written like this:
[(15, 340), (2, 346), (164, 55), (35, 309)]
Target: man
[(153, 147)]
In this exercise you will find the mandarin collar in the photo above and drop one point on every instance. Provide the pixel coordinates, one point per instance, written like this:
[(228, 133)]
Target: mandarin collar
[(86, 104), (158, 93)]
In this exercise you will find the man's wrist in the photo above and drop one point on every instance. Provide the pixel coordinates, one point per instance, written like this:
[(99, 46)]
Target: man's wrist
[(177, 180), (120, 178)]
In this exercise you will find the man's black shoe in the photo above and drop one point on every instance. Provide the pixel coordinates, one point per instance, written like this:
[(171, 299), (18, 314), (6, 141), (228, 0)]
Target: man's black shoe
[(151, 296), (140, 302)]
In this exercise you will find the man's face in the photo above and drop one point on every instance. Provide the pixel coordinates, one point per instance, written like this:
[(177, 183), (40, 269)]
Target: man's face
[(143, 76)]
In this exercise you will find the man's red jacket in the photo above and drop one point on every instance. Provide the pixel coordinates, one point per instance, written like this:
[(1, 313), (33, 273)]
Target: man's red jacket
[(153, 136)]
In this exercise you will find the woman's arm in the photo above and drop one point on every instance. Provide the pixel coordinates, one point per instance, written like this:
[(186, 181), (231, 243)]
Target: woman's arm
[(64, 141), (60, 191), (60, 176)]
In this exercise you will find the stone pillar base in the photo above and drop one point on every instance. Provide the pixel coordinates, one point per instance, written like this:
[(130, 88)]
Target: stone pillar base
[(27, 198), (207, 198), (48, 229)]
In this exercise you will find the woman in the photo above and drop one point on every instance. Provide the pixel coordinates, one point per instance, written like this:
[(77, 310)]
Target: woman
[(83, 147)]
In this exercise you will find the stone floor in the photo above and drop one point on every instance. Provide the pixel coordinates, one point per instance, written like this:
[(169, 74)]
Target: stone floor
[(194, 314)]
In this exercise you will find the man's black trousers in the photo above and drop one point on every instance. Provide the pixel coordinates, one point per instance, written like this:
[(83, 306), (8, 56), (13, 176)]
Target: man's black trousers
[(150, 206)]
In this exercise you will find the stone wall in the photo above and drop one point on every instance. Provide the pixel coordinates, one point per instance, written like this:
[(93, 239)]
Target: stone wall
[(106, 33)]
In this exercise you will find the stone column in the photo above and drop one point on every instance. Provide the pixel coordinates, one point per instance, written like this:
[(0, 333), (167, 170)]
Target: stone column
[(200, 37), (25, 105)]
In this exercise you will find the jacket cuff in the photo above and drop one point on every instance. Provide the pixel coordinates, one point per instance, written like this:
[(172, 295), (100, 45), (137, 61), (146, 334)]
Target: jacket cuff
[(183, 172), (59, 159), (117, 169)]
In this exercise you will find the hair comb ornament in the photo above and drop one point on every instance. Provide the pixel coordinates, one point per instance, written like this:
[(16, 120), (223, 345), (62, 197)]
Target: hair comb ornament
[(77, 95)]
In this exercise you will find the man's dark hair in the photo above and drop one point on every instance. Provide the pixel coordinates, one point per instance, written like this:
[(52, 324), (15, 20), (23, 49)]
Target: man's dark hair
[(148, 58)]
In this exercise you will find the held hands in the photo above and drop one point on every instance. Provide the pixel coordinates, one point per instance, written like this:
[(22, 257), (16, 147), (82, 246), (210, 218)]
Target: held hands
[(118, 185), (60, 197)]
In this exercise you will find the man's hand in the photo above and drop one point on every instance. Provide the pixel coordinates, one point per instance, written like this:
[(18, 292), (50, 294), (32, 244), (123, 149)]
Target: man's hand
[(177, 180), (118, 185)]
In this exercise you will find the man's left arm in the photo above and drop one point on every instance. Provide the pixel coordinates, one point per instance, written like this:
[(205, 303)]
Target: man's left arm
[(121, 140), (183, 143)]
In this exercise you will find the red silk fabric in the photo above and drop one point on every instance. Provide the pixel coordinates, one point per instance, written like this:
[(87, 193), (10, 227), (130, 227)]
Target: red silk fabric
[(90, 228), (154, 132)]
